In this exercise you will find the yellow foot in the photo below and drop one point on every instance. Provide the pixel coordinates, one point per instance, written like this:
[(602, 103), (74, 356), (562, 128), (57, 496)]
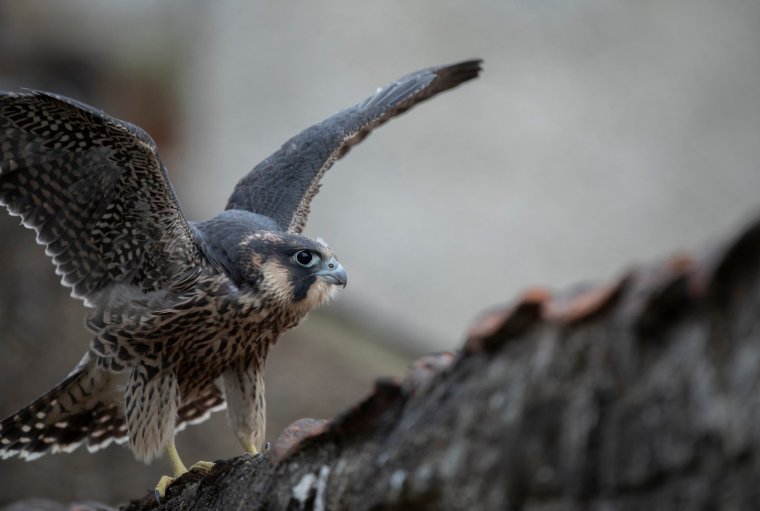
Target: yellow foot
[(166, 481), (160, 491), (203, 466)]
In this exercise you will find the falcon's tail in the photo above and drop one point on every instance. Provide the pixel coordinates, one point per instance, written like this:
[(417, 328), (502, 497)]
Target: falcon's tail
[(84, 407)]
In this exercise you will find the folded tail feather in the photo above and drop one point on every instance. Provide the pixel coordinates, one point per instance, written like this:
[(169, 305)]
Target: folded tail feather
[(81, 408), (85, 409)]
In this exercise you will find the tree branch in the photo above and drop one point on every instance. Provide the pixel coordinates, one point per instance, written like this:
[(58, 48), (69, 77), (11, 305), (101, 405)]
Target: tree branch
[(642, 394)]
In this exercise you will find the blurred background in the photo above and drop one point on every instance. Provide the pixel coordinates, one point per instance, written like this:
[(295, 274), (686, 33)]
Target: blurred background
[(601, 134)]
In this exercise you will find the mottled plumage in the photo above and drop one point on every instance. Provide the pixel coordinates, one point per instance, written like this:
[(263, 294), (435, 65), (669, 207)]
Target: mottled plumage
[(182, 314)]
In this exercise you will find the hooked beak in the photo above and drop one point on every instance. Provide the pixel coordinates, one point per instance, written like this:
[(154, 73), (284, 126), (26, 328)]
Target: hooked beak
[(333, 273)]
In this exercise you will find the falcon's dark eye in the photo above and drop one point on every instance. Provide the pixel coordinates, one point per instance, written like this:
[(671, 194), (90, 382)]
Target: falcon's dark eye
[(306, 258)]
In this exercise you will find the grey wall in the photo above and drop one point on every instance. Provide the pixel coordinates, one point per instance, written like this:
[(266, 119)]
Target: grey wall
[(601, 134)]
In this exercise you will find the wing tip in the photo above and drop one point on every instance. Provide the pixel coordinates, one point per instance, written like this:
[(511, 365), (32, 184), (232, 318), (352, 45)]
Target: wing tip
[(451, 75)]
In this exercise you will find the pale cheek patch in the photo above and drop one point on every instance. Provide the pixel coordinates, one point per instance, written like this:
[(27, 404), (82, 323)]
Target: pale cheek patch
[(257, 260), (277, 281)]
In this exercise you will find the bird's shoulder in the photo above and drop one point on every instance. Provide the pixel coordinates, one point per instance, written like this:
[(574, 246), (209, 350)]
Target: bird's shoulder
[(224, 238)]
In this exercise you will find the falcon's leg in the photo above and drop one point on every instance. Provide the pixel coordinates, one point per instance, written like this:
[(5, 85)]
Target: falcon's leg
[(178, 468), (246, 408), (152, 399), (172, 455)]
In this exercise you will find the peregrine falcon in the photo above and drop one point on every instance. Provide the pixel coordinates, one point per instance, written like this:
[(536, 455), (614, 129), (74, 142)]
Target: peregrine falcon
[(182, 314)]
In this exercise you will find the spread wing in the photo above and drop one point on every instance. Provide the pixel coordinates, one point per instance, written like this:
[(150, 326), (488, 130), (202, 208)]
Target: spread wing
[(282, 186), (96, 192)]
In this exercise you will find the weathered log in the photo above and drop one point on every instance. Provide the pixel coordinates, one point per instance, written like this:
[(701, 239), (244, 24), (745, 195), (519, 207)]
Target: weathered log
[(643, 394)]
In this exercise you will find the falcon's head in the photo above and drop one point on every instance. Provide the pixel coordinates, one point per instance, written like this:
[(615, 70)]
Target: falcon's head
[(292, 270)]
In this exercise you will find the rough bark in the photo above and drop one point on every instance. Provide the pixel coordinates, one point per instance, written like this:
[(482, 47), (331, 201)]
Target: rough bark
[(642, 394)]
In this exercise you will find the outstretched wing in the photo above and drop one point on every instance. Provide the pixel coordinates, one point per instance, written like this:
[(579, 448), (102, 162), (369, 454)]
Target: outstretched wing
[(96, 192), (282, 186)]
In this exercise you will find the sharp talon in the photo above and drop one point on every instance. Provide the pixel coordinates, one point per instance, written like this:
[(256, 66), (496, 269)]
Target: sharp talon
[(203, 466), (160, 492)]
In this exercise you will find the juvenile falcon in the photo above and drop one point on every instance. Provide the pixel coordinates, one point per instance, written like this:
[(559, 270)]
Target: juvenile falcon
[(182, 314)]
